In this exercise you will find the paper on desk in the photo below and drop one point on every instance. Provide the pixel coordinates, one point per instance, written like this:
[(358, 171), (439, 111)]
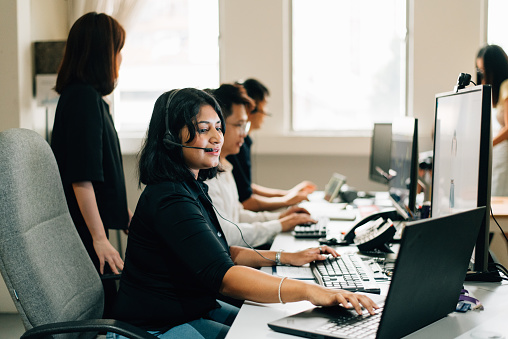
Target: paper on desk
[(294, 272)]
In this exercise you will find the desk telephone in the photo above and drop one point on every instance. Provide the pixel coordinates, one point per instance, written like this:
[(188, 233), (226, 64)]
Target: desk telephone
[(374, 231)]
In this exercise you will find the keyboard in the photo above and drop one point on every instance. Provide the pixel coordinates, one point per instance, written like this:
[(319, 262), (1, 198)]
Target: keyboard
[(364, 326), (311, 231), (347, 272)]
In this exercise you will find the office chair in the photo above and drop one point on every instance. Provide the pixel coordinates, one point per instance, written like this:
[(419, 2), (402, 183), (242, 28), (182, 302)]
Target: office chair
[(44, 264)]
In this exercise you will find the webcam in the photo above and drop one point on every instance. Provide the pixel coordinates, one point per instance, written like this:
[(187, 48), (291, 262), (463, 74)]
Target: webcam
[(463, 80)]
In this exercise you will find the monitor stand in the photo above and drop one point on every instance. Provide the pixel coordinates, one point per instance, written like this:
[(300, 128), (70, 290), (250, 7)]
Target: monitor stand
[(486, 276)]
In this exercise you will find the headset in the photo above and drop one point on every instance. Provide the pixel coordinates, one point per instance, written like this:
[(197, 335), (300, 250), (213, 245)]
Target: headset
[(168, 143), (168, 137)]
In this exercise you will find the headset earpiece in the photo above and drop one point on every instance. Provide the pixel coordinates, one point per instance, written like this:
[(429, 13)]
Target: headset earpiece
[(168, 143), (168, 140)]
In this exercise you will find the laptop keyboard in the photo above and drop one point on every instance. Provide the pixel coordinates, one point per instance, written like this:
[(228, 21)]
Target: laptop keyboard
[(362, 326), (347, 272)]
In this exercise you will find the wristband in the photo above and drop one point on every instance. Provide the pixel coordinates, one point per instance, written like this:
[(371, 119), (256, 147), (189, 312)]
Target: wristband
[(277, 257)]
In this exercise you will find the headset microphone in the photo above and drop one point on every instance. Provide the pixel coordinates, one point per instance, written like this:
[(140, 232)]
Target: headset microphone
[(169, 142)]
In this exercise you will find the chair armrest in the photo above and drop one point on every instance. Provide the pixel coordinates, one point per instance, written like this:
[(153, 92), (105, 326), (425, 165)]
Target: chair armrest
[(110, 276), (93, 325)]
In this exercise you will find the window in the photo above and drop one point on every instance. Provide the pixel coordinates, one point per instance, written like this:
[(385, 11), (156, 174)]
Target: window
[(497, 24), (170, 44), (349, 60)]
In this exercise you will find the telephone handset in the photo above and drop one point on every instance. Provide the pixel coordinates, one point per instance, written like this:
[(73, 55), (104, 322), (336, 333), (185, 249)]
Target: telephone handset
[(379, 236), (375, 234)]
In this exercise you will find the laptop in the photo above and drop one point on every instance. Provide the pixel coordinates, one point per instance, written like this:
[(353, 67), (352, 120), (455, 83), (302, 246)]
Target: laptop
[(426, 283)]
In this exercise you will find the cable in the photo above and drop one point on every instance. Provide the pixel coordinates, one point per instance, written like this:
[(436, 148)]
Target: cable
[(472, 82), (241, 234), (497, 267), (502, 232)]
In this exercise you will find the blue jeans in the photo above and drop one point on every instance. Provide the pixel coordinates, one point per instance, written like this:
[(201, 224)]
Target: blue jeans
[(215, 325)]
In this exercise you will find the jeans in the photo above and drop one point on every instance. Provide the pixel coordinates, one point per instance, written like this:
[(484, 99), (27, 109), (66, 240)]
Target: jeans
[(214, 326)]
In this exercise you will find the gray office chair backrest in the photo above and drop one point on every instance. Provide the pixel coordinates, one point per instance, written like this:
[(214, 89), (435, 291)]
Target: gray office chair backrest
[(43, 262)]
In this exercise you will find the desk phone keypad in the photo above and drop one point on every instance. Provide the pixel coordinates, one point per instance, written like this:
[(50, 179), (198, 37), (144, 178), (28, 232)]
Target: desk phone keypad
[(311, 231)]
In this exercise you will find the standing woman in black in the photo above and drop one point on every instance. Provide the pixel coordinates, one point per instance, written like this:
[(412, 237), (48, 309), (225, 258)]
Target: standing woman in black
[(85, 142)]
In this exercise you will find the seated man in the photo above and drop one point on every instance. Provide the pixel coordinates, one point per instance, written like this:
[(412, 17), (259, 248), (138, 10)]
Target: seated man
[(255, 197), (257, 228)]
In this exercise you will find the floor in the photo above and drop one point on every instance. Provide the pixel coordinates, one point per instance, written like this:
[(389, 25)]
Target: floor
[(11, 326)]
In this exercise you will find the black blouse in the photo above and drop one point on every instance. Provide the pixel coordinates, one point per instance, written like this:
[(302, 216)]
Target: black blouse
[(175, 260), (86, 148)]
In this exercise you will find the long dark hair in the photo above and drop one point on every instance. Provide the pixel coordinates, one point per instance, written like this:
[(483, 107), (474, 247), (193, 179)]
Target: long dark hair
[(91, 52), (495, 64), (157, 163)]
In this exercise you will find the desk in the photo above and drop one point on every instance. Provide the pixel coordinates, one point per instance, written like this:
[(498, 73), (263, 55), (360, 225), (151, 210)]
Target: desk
[(253, 317)]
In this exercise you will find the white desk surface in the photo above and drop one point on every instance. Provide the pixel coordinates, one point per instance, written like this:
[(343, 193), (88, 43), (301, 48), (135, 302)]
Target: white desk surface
[(253, 317)]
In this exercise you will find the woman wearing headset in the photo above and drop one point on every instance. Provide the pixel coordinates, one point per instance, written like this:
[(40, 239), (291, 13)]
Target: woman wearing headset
[(178, 261)]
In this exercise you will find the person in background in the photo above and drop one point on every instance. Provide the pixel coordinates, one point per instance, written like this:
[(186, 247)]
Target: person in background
[(243, 227), (492, 69), (256, 197), (85, 142), (178, 261)]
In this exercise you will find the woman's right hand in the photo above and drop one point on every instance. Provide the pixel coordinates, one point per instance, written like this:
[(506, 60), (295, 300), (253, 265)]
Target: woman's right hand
[(294, 197), (108, 254), (321, 296)]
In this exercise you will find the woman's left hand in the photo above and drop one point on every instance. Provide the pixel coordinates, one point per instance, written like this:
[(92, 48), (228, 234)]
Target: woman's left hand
[(293, 209), (306, 256)]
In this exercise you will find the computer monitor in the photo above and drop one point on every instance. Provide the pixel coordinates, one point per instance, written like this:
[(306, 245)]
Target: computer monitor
[(404, 166), (461, 172), (380, 153)]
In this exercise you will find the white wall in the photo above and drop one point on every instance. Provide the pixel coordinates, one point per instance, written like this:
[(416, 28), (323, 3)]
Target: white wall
[(15, 64), (254, 43), (21, 23), (15, 80)]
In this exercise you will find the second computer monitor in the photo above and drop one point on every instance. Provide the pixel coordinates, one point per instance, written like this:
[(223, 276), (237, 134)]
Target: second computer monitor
[(404, 164), (380, 153)]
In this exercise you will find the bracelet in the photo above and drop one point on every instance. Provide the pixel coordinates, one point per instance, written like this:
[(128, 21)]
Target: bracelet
[(277, 257), (280, 284)]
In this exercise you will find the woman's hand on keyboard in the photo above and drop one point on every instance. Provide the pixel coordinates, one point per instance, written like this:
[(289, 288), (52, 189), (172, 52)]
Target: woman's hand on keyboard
[(306, 256), (321, 296), (293, 209), (289, 222)]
